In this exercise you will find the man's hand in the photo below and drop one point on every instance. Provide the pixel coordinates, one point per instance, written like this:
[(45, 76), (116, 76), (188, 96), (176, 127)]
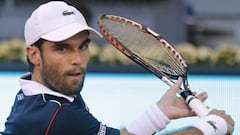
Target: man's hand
[(174, 106), (226, 117)]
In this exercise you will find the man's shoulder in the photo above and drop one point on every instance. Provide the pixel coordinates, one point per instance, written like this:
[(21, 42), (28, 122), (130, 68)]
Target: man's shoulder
[(46, 103)]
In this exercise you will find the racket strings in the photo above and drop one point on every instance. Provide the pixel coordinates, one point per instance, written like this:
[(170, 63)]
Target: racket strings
[(144, 45)]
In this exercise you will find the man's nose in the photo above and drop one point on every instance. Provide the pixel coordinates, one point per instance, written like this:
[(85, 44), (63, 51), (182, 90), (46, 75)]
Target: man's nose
[(76, 57)]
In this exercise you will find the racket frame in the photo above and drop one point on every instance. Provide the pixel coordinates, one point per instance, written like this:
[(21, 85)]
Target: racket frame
[(186, 93)]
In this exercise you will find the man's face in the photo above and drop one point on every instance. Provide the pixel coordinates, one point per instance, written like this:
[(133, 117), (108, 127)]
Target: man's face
[(63, 64)]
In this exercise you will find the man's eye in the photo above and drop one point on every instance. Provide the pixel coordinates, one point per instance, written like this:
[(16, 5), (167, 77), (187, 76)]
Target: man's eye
[(62, 49), (84, 46)]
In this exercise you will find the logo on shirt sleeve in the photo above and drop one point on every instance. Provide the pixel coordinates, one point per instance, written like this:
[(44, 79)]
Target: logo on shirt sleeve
[(20, 97), (102, 129)]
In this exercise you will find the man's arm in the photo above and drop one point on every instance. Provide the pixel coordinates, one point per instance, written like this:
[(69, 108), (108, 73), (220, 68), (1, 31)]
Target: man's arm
[(188, 131), (156, 117), (125, 132), (216, 123)]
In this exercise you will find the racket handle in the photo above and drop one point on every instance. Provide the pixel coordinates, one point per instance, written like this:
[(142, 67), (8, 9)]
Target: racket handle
[(197, 106)]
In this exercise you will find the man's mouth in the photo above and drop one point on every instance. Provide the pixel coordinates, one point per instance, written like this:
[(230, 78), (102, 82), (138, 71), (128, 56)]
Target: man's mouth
[(75, 74)]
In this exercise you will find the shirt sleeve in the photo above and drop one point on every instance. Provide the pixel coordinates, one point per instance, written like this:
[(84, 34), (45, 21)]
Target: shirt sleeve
[(73, 120)]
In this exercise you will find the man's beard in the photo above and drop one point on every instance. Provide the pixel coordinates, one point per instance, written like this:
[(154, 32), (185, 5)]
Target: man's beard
[(55, 80)]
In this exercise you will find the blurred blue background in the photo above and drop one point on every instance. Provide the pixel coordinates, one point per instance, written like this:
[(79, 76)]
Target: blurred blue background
[(199, 22)]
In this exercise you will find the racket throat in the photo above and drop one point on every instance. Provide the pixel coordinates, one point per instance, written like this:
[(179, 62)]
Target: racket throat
[(185, 84), (184, 94)]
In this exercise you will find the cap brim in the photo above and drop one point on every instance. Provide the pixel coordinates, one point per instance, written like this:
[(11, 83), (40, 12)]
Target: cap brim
[(68, 31)]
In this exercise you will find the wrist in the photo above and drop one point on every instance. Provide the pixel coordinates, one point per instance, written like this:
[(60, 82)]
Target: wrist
[(211, 125), (152, 120)]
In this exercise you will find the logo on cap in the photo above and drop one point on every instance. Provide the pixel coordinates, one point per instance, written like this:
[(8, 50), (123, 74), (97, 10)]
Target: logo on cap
[(66, 12)]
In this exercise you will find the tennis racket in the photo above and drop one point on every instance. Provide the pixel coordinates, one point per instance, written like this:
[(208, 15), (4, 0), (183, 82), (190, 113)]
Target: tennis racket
[(152, 52)]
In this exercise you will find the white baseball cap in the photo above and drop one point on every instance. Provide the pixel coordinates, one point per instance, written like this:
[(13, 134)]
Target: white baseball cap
[(55, 21)]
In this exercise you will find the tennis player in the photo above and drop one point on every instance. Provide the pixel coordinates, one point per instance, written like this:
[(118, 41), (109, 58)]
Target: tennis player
[(50, 103)]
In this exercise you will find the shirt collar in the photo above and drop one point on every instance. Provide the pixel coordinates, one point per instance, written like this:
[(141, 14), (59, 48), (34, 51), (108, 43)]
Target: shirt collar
[(31, 88)]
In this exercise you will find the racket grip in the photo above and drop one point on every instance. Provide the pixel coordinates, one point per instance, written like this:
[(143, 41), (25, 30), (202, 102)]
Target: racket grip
[(197, 106)]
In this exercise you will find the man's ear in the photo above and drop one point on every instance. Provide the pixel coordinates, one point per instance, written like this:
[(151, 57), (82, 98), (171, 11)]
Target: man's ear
[(33, 54)]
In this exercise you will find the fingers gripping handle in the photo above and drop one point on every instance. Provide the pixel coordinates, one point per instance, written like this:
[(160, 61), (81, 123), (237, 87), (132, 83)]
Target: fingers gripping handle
[(197, 106)]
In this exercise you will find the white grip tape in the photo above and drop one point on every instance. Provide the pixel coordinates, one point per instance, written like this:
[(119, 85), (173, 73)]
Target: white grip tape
[(197, 106), (211, 125), (152, 120)]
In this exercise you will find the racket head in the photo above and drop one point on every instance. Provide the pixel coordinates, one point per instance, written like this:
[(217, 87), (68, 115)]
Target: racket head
[(143, 46)]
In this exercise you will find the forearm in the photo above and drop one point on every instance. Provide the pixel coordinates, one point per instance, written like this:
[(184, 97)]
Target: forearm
[(188, 131), (152, 120), (125, 132)]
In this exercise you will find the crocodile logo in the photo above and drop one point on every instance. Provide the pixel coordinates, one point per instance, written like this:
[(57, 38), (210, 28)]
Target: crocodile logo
[(213, 124), (66, 12)]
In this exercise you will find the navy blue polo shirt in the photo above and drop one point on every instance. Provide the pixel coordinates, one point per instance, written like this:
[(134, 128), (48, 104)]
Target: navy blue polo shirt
[(38, 110)]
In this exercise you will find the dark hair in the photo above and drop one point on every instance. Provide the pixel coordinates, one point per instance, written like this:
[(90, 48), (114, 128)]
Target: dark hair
[(37, 44)]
